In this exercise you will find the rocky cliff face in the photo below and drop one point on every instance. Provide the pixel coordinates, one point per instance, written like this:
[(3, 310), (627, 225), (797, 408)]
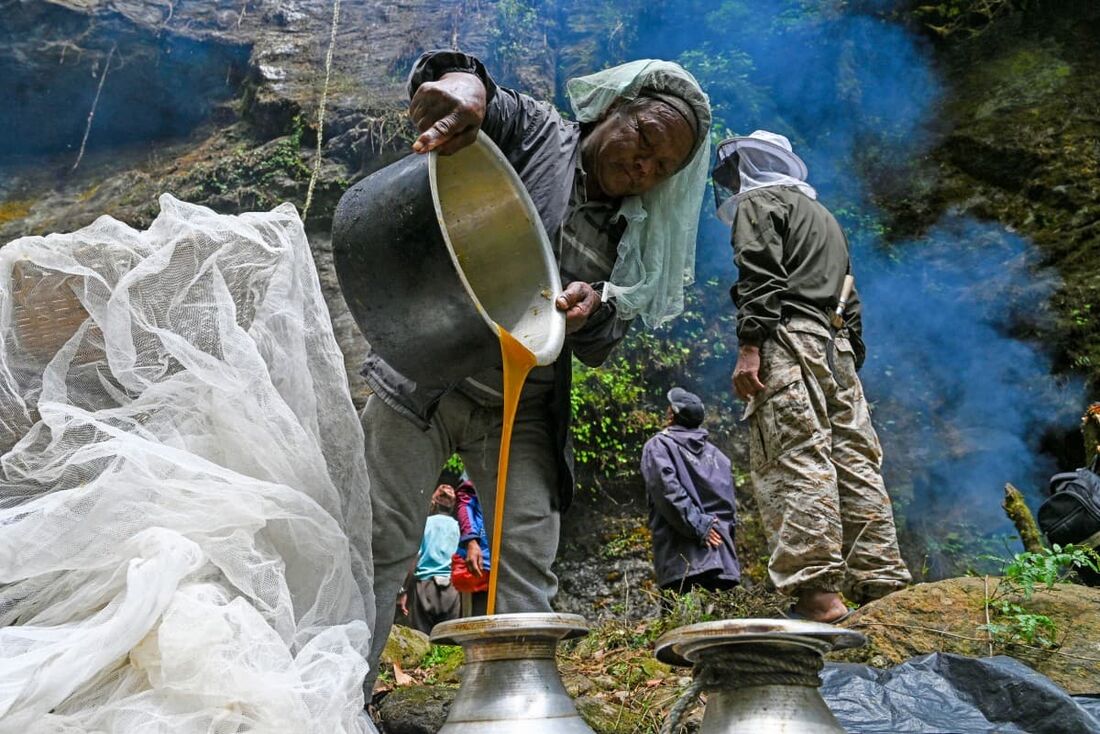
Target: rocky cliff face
[(215, 102), (1021, 146)]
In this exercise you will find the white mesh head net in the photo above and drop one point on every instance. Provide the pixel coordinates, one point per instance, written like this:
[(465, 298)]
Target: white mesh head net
[(179, 455), (762, 159), (656, 254)]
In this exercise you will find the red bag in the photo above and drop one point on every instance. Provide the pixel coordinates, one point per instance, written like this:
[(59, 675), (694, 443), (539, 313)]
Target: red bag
[(464, 581)]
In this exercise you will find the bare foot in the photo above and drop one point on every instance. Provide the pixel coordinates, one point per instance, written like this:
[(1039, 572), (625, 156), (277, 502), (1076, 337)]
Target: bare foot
[(820, 606)]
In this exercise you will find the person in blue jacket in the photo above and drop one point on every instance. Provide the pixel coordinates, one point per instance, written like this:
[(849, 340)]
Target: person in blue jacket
[(692, 512)]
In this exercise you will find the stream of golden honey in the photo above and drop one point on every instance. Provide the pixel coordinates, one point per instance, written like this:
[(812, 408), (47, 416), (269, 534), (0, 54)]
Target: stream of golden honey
[(518, 361)]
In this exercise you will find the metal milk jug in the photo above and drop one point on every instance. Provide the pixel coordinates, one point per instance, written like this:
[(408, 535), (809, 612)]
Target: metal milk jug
[(510, 681), (759, 675)]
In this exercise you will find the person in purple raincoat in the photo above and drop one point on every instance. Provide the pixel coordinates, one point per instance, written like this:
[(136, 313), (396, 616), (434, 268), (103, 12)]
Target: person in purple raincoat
[(692, 513)]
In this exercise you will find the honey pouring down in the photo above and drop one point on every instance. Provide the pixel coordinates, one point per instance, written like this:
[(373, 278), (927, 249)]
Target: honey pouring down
[(518, 361)]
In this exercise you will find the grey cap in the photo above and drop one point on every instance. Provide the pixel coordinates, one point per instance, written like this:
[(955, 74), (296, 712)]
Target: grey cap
[(676, 87), (686, 405)]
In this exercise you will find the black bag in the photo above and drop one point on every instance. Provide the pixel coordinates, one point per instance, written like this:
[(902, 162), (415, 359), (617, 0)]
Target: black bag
[(1071, 515)]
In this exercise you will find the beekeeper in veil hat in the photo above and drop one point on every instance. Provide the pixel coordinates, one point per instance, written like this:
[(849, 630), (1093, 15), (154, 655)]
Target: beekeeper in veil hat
[(815, 459)]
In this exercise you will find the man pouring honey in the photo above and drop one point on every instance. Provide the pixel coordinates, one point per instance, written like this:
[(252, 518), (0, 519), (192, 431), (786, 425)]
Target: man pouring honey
[(618, 192)]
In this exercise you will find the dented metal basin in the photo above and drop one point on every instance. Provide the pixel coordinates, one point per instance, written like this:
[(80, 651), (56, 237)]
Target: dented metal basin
[(432, 252)]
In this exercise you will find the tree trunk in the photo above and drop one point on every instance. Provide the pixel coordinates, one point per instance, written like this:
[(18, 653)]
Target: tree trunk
[(1020, 515), (1090, 431)]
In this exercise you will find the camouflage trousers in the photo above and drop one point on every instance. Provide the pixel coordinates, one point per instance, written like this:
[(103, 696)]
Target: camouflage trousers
[(816, 471)]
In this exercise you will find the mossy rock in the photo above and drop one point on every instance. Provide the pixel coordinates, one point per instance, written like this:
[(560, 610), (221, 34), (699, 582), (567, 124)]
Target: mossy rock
[(442, 663), (949, 616), (15, 209), (406, 647), (416, 709), (607, 717), (1020, 125)]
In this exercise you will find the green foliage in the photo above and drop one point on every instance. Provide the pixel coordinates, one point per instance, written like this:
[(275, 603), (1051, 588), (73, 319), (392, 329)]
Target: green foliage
[(1082, 315), (1026, 571), (1029, 569), (593, 34), (441, 664), (619, 406), (454, 464), (727, 76), (262, 170), (1021, 626), (610, 418), (441, 655), (518, 24), (967, 18)]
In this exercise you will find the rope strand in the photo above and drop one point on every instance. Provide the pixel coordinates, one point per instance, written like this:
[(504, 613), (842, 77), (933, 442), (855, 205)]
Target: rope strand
[(95, 103), (757, 664)]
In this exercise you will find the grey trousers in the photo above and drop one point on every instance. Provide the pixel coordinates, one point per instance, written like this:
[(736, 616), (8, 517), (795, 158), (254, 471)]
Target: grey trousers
[(430, 603), (404, 462)]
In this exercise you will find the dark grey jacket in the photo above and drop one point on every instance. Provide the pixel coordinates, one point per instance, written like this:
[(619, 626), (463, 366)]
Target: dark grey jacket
[(542, 147), (690, 489)]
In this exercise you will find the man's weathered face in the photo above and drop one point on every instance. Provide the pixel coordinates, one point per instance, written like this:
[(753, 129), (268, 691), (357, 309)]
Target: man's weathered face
[(444, 497), (637, 146)]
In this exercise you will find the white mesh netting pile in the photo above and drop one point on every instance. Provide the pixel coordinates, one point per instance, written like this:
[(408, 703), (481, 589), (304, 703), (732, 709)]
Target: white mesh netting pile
[(179, 455)]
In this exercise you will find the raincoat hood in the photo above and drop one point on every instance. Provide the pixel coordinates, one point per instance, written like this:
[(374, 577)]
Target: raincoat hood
[(692, 439)]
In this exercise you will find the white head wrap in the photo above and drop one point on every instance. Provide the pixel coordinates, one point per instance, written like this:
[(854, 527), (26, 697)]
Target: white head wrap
[(764, 159), (656, 255)]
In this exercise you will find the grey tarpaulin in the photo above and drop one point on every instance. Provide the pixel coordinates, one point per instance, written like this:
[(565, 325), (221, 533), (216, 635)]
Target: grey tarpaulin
[(942, 693)]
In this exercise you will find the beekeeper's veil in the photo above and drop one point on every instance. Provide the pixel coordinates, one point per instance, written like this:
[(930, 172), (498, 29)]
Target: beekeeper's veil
[(755, 161), (656, 255)]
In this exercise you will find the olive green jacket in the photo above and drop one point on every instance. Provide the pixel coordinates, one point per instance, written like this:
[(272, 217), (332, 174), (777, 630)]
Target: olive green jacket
[(791, 257)]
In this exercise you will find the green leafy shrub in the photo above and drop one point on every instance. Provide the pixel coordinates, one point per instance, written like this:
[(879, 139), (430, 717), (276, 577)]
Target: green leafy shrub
[(1024, 573)]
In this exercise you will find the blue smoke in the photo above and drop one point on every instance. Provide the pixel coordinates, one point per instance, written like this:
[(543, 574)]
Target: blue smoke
[(961, 403)]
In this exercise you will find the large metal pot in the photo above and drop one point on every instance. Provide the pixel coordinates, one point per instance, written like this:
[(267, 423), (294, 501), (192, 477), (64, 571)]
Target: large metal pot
[(432, 252), (510, 681), (759, 675)]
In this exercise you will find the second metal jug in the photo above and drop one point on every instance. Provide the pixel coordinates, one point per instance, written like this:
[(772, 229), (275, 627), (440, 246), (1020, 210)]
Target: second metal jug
[(432, 252), (759, 675)]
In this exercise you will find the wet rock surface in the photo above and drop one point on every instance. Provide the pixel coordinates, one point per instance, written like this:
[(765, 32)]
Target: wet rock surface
[(605, 567), (949, 616), (216, 103), (240, 75)]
